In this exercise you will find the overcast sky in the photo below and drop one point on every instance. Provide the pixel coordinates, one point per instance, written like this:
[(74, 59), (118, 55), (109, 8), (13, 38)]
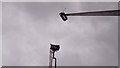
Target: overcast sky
[(29, 28)]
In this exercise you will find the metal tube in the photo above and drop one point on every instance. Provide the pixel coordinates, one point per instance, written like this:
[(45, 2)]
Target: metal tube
[(55, 62), (53, 49), (50, 59), (96, 13), (93, 13), (53, 54), (55, 59)]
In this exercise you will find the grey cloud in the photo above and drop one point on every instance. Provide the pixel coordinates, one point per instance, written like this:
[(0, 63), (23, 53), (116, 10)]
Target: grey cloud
[(29, 28)]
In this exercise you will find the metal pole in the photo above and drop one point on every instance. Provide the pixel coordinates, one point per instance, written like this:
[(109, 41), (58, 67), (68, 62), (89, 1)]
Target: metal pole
[(93, 13), (55, 59), (55, 62), (53, 49), (97, 13), (50, 59)]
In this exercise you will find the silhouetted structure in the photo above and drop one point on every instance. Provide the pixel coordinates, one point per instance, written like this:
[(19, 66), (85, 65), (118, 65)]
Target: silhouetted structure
[(94, 13), (53, 49)]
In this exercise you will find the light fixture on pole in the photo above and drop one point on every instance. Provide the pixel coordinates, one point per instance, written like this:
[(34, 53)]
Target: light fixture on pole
[(53, 49), (93, 13)]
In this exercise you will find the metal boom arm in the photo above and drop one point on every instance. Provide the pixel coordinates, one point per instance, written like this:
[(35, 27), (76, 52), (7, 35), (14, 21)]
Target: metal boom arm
[(94, 13)]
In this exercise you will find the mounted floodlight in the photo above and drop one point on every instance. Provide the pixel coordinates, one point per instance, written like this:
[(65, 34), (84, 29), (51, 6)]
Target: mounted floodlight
[(54, 47), (93, 13), (63, 16)]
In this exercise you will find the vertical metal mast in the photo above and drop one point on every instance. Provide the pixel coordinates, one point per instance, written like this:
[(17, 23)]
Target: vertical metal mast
[(50, 59), (53, 49)]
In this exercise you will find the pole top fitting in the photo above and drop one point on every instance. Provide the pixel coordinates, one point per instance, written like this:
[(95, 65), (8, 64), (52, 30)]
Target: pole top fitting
[(63, 16), (54, 47)]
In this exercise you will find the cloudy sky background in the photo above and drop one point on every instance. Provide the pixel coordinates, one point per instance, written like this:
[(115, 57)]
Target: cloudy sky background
[(29, 28)]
